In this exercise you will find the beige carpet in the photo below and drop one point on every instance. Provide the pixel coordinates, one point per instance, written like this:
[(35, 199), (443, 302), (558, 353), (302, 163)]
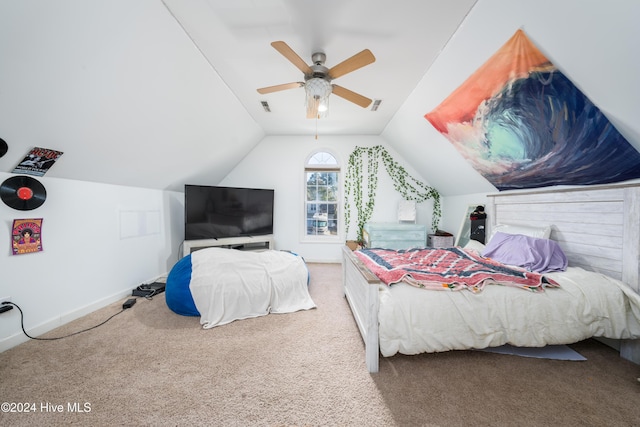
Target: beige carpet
[(149, 366)]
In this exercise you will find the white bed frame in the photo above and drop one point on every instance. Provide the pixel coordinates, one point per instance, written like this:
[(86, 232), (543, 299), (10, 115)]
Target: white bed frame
[(597, 227)]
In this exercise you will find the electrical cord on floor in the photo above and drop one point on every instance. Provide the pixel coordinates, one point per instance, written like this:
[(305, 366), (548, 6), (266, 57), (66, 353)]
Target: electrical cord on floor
[(56, 338), (151, 295)]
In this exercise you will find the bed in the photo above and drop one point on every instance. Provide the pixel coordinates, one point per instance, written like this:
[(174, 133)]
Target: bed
[(223, 285), (598, 231)]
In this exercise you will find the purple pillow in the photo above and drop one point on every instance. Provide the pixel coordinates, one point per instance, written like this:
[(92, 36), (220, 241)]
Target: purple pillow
[(530, 253)]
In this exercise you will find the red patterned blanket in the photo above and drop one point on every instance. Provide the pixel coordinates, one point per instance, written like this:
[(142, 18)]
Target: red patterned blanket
[(447, 269)]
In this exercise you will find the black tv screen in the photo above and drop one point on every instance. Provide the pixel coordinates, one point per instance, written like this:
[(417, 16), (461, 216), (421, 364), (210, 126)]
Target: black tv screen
[(218, 212)]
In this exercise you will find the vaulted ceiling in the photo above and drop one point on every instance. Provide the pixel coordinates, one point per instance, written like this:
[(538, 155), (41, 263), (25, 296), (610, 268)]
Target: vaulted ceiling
[(157, 93), (405, 37)]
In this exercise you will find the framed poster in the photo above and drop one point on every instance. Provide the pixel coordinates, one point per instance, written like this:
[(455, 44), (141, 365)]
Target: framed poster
[(26, 236)]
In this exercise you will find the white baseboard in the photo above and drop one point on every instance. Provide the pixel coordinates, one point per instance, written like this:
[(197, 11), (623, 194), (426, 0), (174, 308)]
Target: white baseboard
[(322, 261), (64, 318)]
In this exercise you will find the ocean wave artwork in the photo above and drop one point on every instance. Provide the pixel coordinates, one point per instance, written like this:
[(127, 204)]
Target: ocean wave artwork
[(522, 123)]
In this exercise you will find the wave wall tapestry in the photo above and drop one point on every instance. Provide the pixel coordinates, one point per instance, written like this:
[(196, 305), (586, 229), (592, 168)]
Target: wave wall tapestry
[(522, 124)]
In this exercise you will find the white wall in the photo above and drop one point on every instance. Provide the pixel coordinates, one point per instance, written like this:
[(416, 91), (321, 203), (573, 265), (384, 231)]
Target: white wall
[(99, 242), (278, 162)]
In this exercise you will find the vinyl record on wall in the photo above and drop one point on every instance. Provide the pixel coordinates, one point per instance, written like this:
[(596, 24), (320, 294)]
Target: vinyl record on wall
[(3, 147), (22, 193)]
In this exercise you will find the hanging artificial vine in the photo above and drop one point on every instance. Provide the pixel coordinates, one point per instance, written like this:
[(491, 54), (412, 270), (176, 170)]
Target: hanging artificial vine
[(409, 187)]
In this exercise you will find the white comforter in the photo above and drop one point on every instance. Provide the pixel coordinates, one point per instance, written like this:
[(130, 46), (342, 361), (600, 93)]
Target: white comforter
[(587, 304), (228, 285)]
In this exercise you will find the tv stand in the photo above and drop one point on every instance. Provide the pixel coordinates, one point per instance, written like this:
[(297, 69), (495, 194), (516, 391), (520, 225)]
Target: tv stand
[(245, 243)]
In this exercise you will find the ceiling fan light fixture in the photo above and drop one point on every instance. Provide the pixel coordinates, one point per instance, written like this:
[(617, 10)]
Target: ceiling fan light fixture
[(318, 79), (318, 91)]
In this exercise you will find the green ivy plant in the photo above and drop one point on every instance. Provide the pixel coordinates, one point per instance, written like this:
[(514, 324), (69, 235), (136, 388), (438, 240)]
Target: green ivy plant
[(410, 188)]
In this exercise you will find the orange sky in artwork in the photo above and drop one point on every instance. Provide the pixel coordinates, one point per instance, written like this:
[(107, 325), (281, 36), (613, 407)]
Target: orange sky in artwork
[(515, 59)]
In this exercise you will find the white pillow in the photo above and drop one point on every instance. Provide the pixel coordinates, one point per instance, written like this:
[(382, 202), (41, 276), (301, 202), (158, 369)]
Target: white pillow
[(474, 245), (538, 232)]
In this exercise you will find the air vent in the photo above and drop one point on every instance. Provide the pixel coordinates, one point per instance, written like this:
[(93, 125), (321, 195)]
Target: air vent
[(265, 105), (376, 104)]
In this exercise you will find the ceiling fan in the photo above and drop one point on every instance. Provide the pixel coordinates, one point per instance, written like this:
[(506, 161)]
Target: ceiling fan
[(317, 79)]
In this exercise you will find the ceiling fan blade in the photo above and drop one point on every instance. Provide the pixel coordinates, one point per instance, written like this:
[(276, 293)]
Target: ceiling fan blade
[(356, 98), (293, 57), (312, 110), (278, 88), (357, 61)]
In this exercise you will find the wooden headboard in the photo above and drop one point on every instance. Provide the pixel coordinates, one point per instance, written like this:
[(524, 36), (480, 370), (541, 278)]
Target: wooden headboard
[(598, 228)]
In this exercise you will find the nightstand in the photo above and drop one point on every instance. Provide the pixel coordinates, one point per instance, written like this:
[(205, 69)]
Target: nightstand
[(394, 235)]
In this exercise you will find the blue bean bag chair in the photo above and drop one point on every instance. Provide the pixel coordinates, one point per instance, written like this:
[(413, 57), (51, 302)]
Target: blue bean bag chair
[(177, 291)]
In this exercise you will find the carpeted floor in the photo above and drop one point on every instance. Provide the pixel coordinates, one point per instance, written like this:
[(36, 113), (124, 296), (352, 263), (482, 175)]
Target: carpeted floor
[(149, 366)]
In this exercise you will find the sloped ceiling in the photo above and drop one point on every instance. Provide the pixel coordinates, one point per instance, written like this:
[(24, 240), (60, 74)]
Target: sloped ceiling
[(158, 93), (121, 90), (405, 37), (154, 94), (591, 43)]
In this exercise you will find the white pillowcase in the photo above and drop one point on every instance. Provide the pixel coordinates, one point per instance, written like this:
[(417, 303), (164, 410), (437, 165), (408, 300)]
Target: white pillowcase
[(538, 232), (475, 246)]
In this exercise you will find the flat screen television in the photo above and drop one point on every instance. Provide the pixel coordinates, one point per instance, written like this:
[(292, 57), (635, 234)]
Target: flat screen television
[(218, 212)]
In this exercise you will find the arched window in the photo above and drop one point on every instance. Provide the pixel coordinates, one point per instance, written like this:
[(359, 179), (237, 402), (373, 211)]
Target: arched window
[(322, 197)]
